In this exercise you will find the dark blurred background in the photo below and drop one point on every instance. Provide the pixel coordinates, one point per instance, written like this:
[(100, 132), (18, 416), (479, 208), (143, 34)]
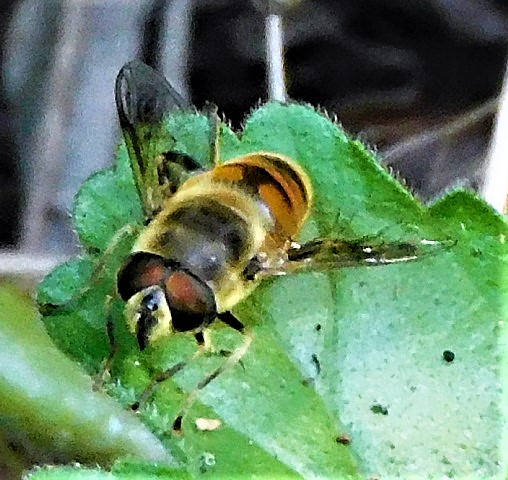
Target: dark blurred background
[(419, 80)]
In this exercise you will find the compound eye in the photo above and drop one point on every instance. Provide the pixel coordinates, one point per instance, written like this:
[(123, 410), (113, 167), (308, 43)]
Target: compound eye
[(190, 300), (142, 270), (188, 293)]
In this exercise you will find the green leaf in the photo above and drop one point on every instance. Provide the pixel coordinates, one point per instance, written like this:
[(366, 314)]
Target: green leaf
[(355, 353), (121, 471), (48, 409), (96, 218)]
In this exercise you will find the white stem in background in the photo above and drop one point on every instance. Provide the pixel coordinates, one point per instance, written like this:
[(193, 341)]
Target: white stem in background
[(275, 58), (175, 44), (495, 185)]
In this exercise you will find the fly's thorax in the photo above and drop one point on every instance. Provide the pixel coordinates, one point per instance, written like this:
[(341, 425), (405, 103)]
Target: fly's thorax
[(211, 228)]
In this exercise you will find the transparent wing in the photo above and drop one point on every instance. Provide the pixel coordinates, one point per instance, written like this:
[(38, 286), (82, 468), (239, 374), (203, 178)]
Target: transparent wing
[(144, 98), (323, 254)]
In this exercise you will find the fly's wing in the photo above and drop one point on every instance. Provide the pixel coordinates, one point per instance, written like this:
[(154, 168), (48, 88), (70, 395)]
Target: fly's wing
[(144, 99), (324, 254)]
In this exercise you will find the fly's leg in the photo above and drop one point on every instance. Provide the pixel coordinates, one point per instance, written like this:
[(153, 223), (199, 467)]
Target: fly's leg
[(233, 359), (101, 377), (203, 347), (98, 272), (150, 390)]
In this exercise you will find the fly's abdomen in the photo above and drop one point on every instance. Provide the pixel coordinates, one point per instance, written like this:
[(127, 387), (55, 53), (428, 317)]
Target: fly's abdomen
[(278, 184)]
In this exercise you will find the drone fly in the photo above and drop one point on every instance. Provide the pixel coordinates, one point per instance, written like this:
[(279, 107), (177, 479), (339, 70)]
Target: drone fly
[(212, 236)]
